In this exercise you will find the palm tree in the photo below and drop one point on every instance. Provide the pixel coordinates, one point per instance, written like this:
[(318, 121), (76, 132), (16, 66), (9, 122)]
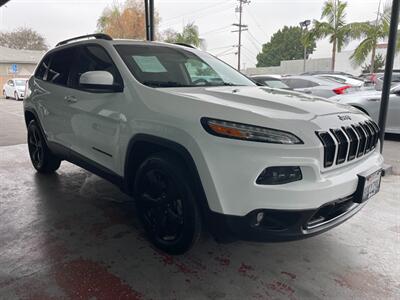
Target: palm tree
[(334, 27), (370, 33)]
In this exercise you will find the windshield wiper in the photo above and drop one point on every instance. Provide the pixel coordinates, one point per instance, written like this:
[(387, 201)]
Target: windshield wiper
[(155, 83), (229, 84)]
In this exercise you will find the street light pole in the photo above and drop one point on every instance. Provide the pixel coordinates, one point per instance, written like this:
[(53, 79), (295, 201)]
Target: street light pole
[(304, 26), (387, 77)]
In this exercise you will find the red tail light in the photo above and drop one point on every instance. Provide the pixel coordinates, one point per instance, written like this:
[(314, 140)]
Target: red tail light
[(341, 90)]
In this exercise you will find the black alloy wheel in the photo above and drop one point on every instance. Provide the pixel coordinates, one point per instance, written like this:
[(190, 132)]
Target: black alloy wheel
[(166, 205), (41, 157)]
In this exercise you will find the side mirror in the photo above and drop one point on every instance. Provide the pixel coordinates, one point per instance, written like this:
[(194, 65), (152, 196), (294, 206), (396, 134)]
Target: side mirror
[(100, 81)]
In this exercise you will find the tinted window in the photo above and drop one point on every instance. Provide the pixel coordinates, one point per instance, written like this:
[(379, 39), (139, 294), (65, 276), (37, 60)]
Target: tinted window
[(43, 67), (162, 66), (60, 66), (296, 83), (275, 84), (92, 58)]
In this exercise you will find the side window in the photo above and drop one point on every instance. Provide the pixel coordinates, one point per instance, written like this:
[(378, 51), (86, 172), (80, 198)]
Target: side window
[(298, 83), (199, 71), (311, 83), (60, 66), (92, 58), (42, 68)]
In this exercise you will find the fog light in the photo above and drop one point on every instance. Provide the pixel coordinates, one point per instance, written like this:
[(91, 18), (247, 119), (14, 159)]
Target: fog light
[(279, 175)]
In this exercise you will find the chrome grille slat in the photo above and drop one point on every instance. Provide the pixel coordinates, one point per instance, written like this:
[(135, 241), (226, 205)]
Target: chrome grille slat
[(348, 143)]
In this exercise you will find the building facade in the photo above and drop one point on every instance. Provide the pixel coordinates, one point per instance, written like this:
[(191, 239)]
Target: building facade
[(17, 63)]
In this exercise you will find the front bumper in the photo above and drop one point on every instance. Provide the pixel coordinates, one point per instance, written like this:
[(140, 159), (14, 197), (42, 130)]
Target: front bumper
[(234, 172), (285, 225)]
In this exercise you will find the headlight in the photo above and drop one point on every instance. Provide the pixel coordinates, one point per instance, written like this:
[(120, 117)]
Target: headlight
[(245, 132)]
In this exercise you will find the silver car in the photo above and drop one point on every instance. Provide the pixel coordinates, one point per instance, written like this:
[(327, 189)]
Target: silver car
[(369, 102), (315, 86)]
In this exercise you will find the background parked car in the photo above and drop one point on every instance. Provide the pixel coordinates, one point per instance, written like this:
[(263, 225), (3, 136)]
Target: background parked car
[(315, 86), (378, 79), (15, 88), (343, 79), (270, 81), (369, 102)]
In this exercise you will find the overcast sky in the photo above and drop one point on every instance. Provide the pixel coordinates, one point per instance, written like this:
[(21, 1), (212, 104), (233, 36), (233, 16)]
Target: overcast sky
[(60, 19)]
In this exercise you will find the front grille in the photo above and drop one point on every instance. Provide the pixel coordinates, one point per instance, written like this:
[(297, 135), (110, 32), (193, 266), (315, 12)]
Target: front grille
[(347, 143)]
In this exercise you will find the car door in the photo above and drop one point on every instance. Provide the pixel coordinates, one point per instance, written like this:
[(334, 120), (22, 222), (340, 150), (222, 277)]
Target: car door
[(53, 105), (96, 119)]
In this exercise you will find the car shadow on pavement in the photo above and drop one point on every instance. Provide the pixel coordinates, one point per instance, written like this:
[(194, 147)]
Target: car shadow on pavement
[(83, 237)]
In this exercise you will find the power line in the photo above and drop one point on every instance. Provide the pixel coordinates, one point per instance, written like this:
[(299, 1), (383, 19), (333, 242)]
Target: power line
[(252, 36), (222, 47), (204, 11), (216, 30), (255, 21)]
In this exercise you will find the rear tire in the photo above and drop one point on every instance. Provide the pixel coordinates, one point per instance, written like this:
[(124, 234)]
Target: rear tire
[(41, 157), (4, 94), (166, 203)]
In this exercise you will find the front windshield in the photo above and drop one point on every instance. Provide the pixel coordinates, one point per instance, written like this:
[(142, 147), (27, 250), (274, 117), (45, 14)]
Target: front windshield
[(163, 66), (20, 82)]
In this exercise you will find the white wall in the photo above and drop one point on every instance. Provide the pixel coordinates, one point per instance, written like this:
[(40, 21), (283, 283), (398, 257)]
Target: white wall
[(343, 64)]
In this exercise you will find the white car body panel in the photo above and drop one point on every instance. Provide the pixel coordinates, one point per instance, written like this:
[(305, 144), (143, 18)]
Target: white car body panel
[(227, 168)]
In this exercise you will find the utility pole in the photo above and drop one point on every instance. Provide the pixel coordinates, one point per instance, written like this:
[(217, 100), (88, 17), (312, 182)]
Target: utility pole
[(304, 27), (241, 27)]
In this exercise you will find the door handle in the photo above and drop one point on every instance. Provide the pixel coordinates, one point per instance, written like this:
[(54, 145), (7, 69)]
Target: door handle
[(70, 99)]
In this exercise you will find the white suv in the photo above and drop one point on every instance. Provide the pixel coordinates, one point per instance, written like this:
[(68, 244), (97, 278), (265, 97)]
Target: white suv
[(199, 145)]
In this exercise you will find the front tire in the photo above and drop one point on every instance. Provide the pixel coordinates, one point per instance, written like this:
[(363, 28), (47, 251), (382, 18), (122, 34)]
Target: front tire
[(41, 157), (166, 203)]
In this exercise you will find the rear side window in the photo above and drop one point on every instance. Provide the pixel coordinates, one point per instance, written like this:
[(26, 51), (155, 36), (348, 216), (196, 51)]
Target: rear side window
[(60, 66), (295, 83), (42, 68), (92, 58)]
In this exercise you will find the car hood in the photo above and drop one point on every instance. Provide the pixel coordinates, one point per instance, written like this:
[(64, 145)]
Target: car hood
[(264, 100)]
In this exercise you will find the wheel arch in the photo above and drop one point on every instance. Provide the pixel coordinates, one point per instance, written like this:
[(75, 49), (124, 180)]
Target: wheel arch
[(143, 145)]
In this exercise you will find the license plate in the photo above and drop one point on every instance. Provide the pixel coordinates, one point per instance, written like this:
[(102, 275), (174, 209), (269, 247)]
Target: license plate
[(368, 186)]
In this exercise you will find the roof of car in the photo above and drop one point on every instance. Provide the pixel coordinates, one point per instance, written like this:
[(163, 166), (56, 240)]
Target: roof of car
[(124, 42)]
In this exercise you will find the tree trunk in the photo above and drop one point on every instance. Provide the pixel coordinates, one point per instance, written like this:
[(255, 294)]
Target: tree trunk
[(372, 67), (333, 55)]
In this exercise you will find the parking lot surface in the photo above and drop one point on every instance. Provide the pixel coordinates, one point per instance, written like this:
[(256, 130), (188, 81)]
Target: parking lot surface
[(73, 235)]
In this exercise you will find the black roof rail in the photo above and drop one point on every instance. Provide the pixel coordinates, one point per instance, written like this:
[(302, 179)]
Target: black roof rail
[(185, 45), (100, 36)]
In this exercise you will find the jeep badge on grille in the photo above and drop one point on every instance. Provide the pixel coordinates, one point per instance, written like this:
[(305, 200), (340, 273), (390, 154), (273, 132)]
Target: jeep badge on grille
[(344, 117)]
